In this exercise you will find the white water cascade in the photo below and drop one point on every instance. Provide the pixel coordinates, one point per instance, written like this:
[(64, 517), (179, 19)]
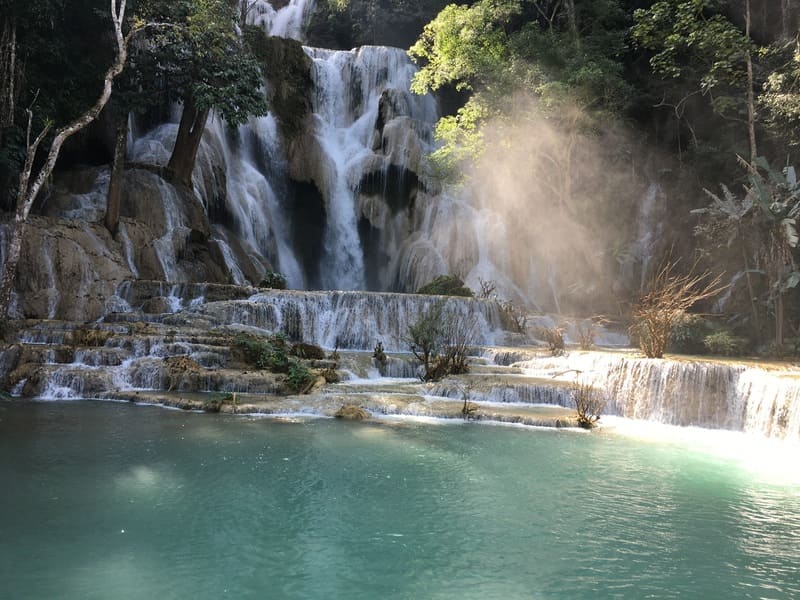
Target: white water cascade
[(284, 22), (347, 102), (718, 395)]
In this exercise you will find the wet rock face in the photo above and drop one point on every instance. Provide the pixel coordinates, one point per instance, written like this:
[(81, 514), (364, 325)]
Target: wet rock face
[(68, 269), (71, 267)]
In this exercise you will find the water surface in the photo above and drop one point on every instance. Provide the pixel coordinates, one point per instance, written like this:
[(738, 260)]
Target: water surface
[(119, 501)]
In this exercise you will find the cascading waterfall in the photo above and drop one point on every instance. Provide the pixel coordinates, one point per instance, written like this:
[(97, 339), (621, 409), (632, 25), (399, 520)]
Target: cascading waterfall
[(284, 22), (348, 88), (686, 393), (350, 320)]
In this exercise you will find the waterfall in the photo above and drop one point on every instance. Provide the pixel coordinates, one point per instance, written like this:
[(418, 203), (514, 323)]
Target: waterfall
[(719, 395), (284, 22), (347, 103), (349, 320)]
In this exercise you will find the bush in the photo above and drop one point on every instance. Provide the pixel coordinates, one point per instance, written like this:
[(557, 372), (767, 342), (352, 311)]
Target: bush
[(270, 353), (554, 337), (299, 378), (331, 375), (440, 341), (589, 404), (724, 343), (446, 285), (688, 335), (379, 355), (309, 351), (664, 304), (273, 281), (512, 316)]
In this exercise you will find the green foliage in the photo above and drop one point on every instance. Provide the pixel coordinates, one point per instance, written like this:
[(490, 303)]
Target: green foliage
[(446, 285), (780, 99), (299, 378), (499, 50), (462, 43), (270, 353), (196, 57), (725, 343), (692, 39), (273, 280), (688, 334)]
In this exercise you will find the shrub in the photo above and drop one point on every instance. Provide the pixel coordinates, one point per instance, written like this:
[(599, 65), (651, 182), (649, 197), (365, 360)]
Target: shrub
[(309, 351), (331, 375), (446, 285), (299, 378), (379, 355), (268, 353), (440, 341), (688, 334), (488, 288), (554, 337), (273, 281), (586, 330), (512, 316), (669, 295), (724, 343), (589, 404)]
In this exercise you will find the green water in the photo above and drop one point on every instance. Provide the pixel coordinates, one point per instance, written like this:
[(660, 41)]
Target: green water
[(117, 501)]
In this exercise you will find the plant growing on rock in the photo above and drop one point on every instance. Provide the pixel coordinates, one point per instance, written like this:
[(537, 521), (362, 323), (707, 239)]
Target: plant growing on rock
[(665, 302), (308, 351), (379, 355), (446, 285), (269, 353), (299, 378), (273, 281), (512, 316), (440, 341), (554, 338), (589, 404)]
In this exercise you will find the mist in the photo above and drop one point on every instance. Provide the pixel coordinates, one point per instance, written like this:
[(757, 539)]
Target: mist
[(556, 213)]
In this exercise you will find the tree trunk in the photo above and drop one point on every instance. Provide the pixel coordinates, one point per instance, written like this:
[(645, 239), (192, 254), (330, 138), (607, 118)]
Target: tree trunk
[(8, 73), (113, 199), (779, 321), (751, 103), (572, 22), (751, 293), (786, 20), (184, 154), (28, 190)]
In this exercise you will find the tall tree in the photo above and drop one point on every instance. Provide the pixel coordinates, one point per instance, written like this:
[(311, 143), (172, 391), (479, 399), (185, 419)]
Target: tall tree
[(31, 183), (202, 63)]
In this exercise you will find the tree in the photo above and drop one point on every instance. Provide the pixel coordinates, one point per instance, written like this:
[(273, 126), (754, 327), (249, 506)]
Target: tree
[(566, 55), (202, 63), (695, 45), (30, 185)]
